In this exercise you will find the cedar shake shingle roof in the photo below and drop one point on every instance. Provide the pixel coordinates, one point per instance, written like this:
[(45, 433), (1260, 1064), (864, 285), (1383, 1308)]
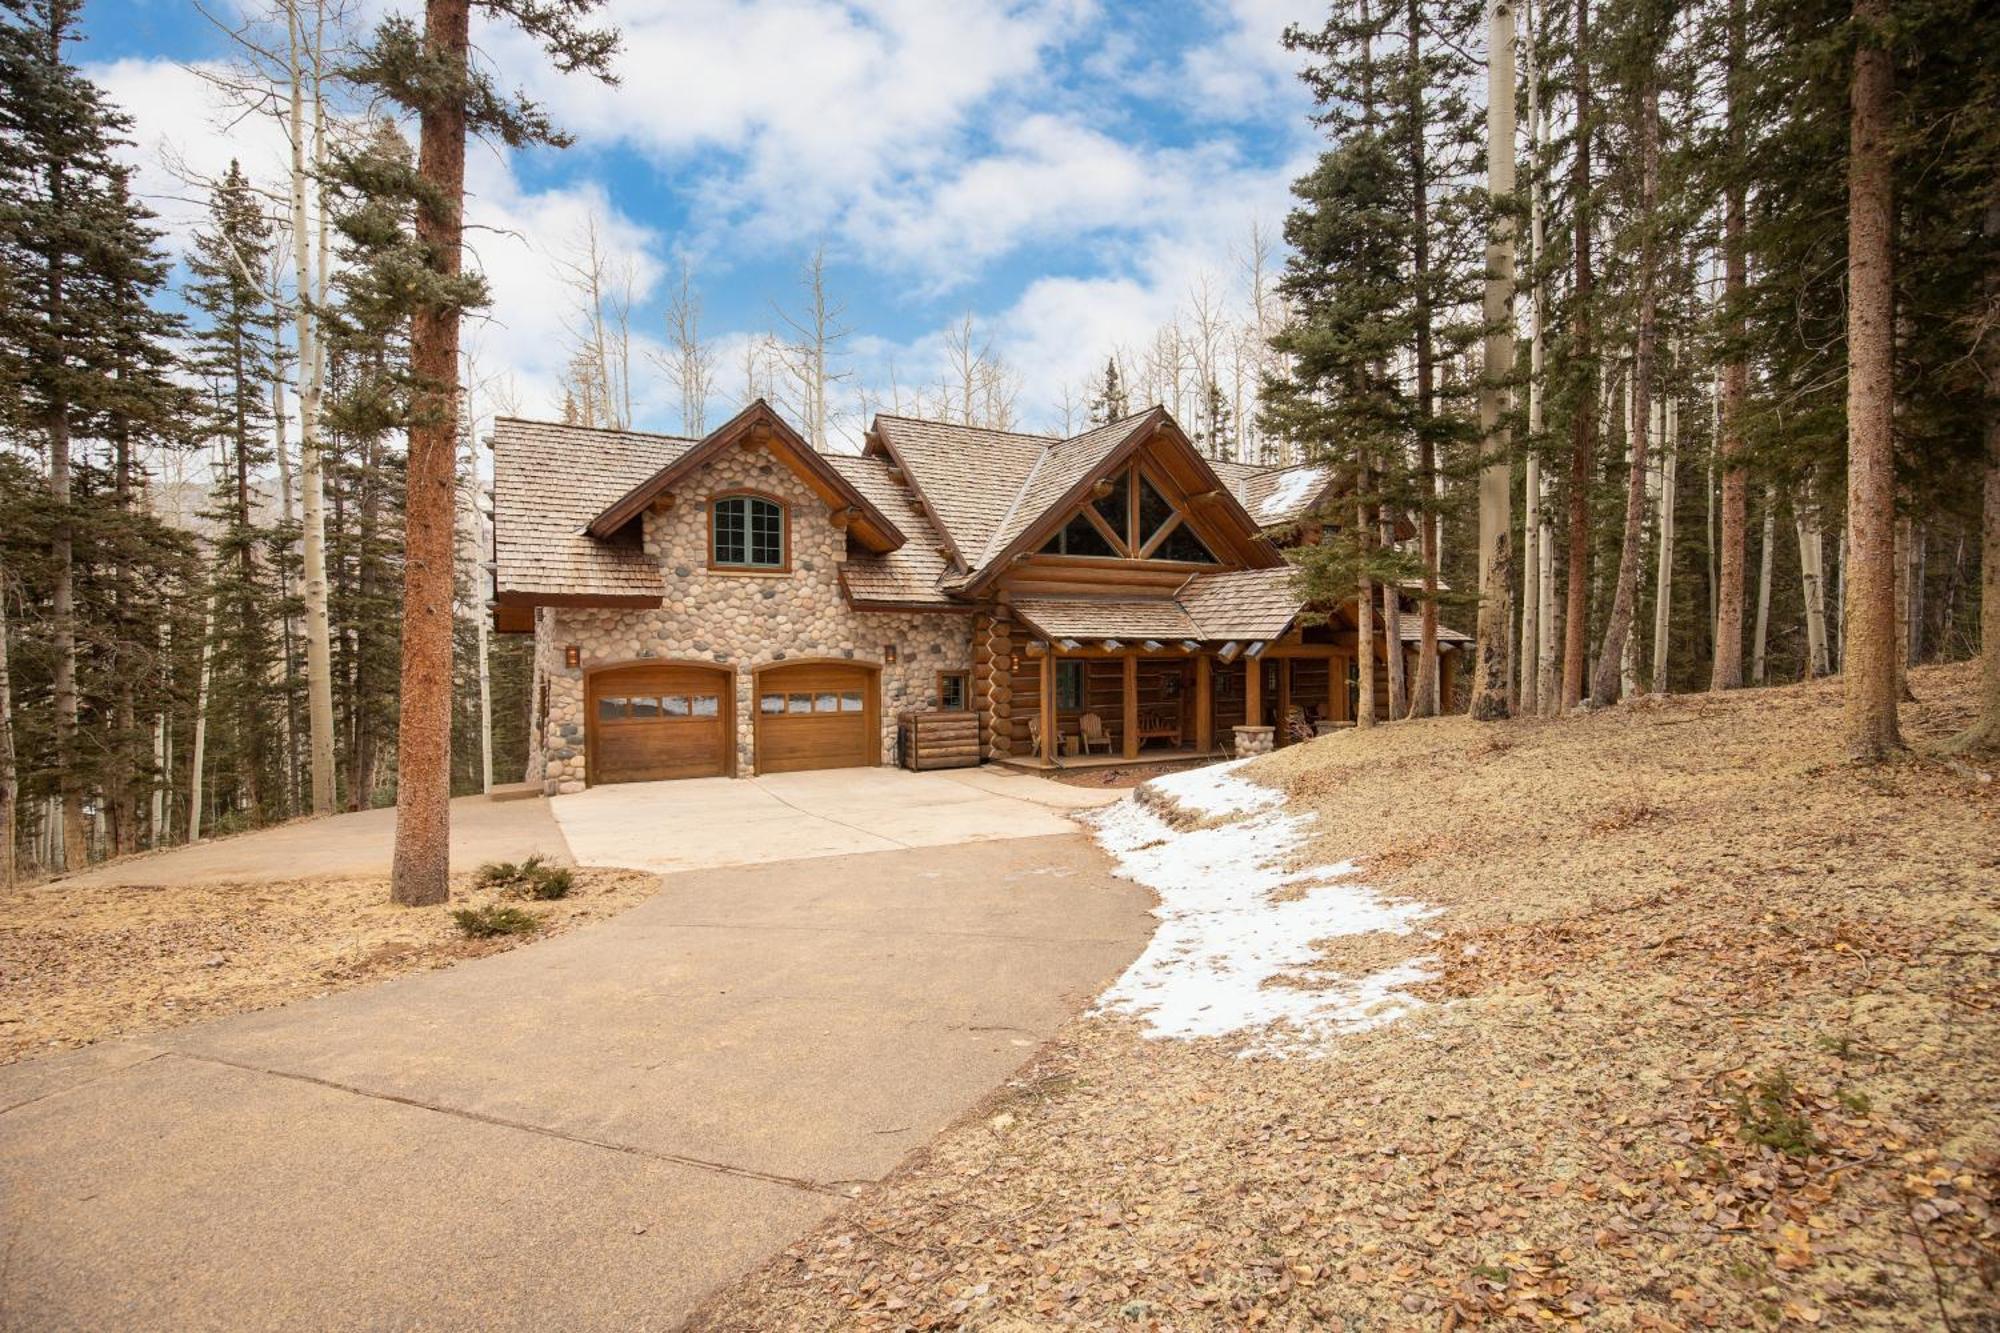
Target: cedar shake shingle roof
[(1242, 603), (970, 476), (1062, 465), (549, 481), (1284, 495), (1131, 620), (910, 573)]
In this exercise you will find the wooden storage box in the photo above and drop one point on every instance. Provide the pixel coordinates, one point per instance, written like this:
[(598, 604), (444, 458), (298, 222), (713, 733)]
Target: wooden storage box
[(937, 739)]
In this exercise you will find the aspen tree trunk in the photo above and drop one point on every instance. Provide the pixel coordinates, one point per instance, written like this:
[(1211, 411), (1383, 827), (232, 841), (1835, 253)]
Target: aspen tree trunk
[(1364, 631), (10, 786), (1984, 733), (1906, 558), (1728, 666), (1424, 694), (62, 544), (310, 293), (421, 874), (1490, 685), (1583, 423), (1625, 594), (1663, 586), (200, 756), (1812, 580), (1534, 527), (1392, 628), (1764, 585), (156, 824), (1868, 635)]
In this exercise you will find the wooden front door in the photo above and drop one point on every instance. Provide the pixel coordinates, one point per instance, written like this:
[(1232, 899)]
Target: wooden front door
[(648, 723), (815, 715)]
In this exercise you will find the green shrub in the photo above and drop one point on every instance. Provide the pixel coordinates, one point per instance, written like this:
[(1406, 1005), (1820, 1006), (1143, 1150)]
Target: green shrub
[(550, 883), (1769, 1116), (483, 923)]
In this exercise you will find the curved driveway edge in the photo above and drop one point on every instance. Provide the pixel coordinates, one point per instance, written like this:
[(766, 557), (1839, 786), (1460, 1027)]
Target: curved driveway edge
[(592, 1132)]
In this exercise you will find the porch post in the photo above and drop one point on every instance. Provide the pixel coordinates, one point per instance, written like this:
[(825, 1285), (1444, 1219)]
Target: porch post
[(1049, 746), (1253, 692), (1284, 700), (1204, 703), (1131, 705)]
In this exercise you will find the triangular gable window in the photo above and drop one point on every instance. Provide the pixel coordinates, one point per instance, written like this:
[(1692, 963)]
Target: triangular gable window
[(1078, 537), (1152, 528)]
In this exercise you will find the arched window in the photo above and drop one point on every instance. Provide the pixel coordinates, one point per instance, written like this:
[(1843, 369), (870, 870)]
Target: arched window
[(746, 532)]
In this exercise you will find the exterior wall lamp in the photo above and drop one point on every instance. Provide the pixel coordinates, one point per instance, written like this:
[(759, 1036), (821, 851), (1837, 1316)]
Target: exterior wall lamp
[(572, 655), (889, 653)]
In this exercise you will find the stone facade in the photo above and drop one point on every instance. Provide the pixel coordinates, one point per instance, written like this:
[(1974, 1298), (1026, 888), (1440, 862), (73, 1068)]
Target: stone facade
[(737, 619)]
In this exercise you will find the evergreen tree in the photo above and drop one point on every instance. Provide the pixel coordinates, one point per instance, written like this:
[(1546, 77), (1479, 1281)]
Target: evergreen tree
[(1109, 403), (233, 355)]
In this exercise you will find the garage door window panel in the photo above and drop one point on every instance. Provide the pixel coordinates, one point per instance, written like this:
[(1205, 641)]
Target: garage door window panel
[(748, 532)]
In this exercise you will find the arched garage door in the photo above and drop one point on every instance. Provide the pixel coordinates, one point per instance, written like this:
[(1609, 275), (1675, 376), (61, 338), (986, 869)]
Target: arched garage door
[(656, 721), (816, 715)]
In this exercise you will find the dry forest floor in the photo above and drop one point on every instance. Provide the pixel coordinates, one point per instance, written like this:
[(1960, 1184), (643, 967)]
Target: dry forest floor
[(1711, 1040), (79, 964)]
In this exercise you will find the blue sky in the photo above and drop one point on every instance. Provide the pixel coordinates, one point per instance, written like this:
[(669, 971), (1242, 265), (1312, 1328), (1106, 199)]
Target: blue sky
[(1067, 172)]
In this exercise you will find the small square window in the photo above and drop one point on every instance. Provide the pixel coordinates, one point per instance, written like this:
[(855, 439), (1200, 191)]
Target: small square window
[(645, 708), (798, 703), (828, 702), (674, 705), (850, 701), (610, 710), (770, 703), (952, 692), (706, 705)]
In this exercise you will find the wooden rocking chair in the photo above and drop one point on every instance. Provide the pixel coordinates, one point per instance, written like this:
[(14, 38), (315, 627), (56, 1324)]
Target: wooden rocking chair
[(1091, 727)]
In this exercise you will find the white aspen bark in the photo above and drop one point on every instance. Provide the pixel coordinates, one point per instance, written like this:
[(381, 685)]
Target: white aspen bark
[(1392, 631), (10, 788), (1813, 584), (1905, 549), (157, 824), (1628, 661), (1364, 638), (1663, 587), (309, 289), (1763, 587), (1535, 534), (1490, 683), (199, 756)]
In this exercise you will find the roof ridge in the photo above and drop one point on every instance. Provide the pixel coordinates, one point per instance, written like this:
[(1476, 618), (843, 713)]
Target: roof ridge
[(602, 430), (957, 425)]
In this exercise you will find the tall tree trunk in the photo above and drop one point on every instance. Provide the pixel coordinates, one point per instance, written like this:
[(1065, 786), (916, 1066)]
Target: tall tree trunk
[(197, 791), (1490, 686), (1663, 586), (1392, 627), (1534, 527), (121, 797), (1728, 666), (1762, 637), (156, 824), (1625, 594), (1812, 581), (421, 874), (1583, 424), (1364, 627), (310, 290), (1868, 576), (10, 784), (1984, 733), (1424, 701)]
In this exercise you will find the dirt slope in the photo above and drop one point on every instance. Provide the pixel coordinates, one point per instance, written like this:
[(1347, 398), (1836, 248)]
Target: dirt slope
[(1713, 1042)]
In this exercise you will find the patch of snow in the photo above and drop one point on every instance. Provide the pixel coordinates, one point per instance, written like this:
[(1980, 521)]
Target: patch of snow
[(1216, 790), (1294, 489), (1234, 921)]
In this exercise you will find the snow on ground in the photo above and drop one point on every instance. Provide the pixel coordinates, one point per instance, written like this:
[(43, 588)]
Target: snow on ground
[(1233, 918)]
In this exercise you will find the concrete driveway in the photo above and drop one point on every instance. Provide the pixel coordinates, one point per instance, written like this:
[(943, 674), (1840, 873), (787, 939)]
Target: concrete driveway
[(668, 826), (590, 1132)]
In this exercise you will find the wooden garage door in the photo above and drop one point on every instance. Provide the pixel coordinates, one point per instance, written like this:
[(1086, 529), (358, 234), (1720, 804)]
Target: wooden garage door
[(815, 715), (653, 722)]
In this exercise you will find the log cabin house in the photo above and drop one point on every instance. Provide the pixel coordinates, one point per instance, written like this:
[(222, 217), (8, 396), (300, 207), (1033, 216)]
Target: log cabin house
[(743, 604)]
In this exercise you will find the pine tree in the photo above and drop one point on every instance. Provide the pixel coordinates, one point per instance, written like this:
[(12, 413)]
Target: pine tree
[(1109, 403), (431, 75), (234, 355)]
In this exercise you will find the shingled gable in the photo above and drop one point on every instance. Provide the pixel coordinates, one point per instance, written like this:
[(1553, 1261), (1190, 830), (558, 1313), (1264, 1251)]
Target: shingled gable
[(758, 426), (1062, 481)]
